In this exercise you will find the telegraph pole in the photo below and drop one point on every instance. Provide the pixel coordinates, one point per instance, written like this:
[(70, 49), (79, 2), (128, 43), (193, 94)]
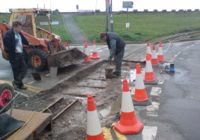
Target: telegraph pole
[(109, 16)]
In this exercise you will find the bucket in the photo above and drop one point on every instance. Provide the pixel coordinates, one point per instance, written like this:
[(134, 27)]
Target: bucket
[(108, 73)]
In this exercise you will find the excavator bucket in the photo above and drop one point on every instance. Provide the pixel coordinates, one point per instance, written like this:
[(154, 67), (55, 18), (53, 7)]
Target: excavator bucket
[(65, 58)]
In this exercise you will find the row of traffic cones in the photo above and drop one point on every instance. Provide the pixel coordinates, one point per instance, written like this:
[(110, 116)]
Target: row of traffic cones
[(127, 124), (153, 58), (156, 56), (94, 55)]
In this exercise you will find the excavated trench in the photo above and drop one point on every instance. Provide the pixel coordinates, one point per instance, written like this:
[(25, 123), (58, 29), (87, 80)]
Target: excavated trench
[(72, 123)]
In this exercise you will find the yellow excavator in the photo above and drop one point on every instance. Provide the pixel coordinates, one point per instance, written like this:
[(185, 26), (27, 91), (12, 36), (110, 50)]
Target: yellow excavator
[(45, 49)]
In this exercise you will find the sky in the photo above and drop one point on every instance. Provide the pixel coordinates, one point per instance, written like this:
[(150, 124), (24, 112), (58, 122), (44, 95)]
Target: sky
[(70, 5)]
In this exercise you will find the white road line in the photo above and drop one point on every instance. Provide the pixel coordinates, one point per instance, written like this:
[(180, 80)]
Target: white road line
[(149, 132), (152, 110), (31, 82), (156, 91)]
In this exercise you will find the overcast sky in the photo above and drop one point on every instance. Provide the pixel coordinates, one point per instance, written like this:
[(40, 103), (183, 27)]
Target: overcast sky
[(70, 5)]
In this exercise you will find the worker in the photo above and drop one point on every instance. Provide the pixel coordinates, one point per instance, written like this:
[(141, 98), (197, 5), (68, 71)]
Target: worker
[(13, 41), (116, 45)]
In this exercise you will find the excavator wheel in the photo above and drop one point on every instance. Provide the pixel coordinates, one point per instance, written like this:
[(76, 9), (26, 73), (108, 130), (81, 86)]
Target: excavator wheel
[(6, 95), (37, 59)]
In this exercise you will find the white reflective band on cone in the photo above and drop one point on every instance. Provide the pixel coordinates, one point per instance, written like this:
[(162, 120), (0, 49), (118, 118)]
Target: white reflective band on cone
[(148, 67), (93, 123), (139, 82), (148, 50), (154, 55), (160, 51), (127, 103)]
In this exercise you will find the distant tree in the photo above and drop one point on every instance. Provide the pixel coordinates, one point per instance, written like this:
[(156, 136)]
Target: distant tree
[(56, 11), (146, 10), (155, 10), (135, 10), (181, 10), (97, 11), (196, 10), (164, 10), (173, 10)]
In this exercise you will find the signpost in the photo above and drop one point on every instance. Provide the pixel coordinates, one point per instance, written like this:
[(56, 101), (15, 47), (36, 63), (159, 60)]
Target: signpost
[(127, 5)]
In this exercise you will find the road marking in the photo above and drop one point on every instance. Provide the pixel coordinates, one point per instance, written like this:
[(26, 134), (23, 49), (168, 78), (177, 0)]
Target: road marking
[(156, 91), (5, 81), (107, 133), (152, 110), (31, 82), (33, 89), (149, 132), (120, 136)]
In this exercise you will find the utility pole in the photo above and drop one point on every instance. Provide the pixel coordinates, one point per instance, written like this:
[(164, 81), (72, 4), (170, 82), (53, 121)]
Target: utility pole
[(109, 16)]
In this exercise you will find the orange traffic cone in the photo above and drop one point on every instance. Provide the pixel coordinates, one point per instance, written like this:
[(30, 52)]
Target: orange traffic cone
[(148, 50), (140, 96), (154, 59), (149, 77), (94, 131), (128, 123), (87, 58), (95, 54), (161, 57)]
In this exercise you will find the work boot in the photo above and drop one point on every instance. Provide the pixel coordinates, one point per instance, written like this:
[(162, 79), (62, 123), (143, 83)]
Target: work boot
[(16, 85), (23, 87)]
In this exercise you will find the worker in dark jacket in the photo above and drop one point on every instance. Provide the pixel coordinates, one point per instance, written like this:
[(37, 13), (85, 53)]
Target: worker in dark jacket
[(116, 45), (13, 42)]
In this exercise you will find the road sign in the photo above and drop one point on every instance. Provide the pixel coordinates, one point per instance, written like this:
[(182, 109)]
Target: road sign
[(127, 4)]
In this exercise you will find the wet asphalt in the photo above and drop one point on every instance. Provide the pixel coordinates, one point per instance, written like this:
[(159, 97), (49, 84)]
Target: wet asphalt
[(179, 114)]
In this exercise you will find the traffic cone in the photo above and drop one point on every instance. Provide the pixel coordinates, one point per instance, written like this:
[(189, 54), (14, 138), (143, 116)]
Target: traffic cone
[(154, 59), (149, 76), (161, 57), (128, 123), (148, 50), (95, 54), (87, 58), (140, 96), (94, 131)]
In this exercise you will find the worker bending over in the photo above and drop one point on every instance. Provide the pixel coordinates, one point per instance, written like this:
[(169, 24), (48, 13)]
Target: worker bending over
[(116, 45)]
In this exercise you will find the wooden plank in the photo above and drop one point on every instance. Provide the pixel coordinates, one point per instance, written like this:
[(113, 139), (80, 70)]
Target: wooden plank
[(35, 123)]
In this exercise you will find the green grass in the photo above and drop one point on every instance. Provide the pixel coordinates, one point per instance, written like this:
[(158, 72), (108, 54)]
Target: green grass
[(57, 29), (144, 26), (4, 17)]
